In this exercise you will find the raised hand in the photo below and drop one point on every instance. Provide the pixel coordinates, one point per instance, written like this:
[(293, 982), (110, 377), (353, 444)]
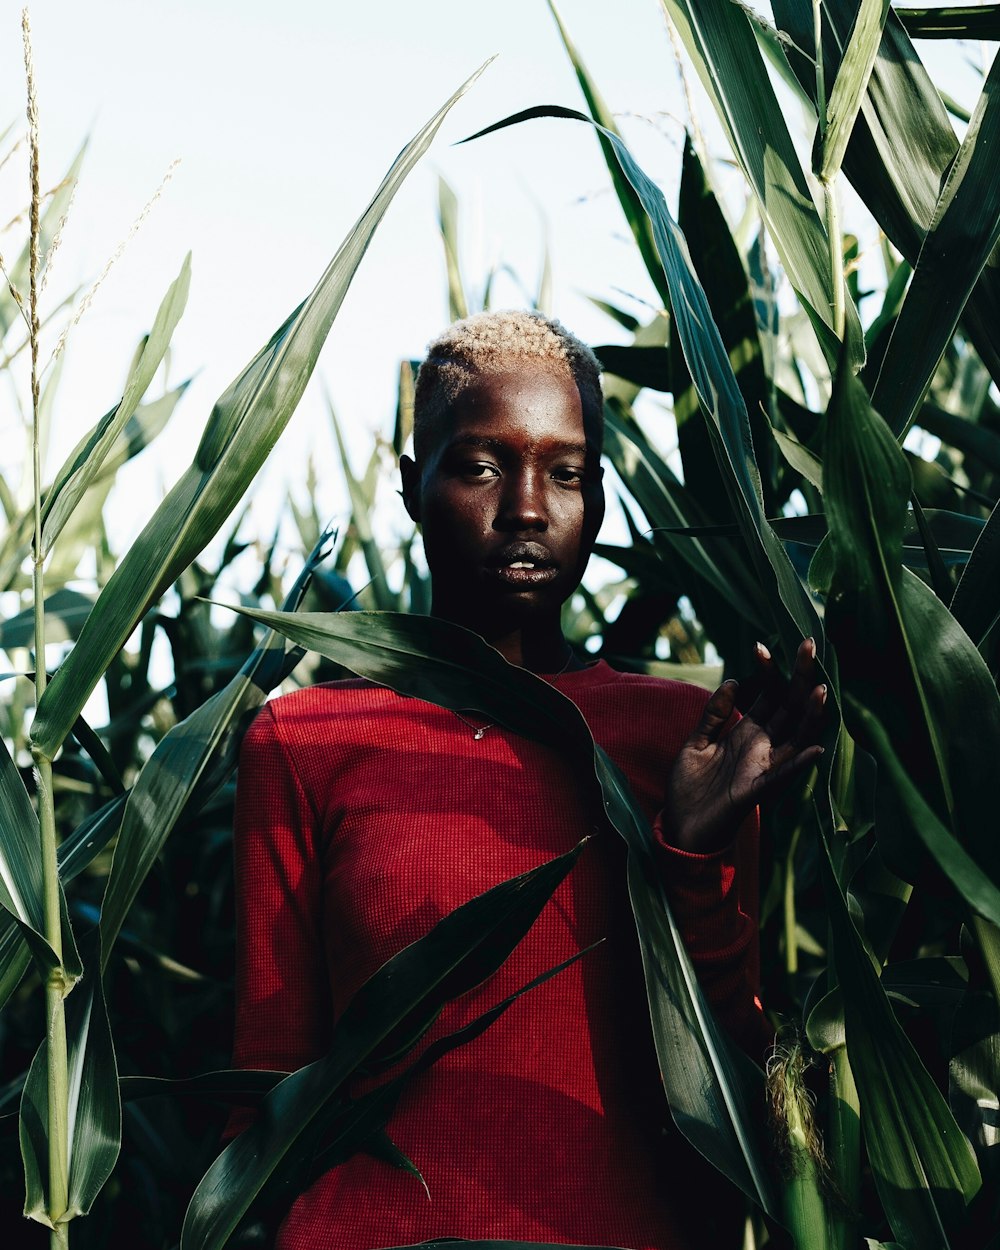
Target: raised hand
[(718, 778)]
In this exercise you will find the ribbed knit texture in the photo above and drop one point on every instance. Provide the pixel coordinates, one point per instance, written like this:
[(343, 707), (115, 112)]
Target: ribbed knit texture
[(362, 819)]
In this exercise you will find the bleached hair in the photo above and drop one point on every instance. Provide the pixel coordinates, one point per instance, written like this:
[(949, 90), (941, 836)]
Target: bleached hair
[(491, 342)]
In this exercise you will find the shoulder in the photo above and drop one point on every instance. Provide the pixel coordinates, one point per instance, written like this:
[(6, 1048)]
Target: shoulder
[(600, 685), (303, 715)]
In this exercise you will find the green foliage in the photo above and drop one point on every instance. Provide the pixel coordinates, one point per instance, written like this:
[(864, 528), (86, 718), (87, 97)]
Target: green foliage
[(796, 509)]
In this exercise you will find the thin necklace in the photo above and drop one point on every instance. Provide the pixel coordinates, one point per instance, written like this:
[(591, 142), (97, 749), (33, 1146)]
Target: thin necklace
[(479, 731)]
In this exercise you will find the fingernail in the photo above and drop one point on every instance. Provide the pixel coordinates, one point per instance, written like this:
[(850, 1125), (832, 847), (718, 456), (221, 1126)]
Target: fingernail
[(762, 650), (825, 692)]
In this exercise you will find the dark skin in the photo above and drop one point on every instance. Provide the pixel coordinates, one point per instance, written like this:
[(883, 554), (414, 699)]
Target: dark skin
[(509, 498)]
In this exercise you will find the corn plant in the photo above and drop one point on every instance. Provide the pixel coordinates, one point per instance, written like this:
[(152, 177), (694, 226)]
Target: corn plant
[(887, 873), (70, 1108)]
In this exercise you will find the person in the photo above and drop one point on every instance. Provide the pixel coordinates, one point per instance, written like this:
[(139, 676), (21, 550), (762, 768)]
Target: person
[(363, 817)]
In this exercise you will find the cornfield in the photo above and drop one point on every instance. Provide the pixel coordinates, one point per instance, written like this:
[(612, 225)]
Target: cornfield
[(799, 510)]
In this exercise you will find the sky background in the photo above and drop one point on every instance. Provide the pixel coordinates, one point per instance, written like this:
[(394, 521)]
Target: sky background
[(285, 118)]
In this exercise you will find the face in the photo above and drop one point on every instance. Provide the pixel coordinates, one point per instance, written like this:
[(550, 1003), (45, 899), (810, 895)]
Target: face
[(509, 499)]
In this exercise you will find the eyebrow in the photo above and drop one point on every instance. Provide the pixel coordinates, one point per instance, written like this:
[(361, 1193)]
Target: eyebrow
[(499, 446)]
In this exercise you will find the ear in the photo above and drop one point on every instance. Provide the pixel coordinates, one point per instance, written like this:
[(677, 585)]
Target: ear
[(411, 486)]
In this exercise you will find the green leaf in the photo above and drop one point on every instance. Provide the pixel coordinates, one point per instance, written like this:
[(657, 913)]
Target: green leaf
[(850, 86), (719, 395), (953, 22), (962, 233), (902, 145), (715, 1093), (362, 503), (722, 45), (461, 950), (902, 655), (94, 1134), (637, 220), (74, 853), (21, 886), (458, 305), (191, 761), (800, 457), (717, 261), (243, 427), (924, 1169), (976, 601), (955, 863), (65, 612), (667, 504), (87, 458)]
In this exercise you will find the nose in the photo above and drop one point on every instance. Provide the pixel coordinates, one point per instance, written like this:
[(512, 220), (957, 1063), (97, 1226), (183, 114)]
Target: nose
[(522, 504)]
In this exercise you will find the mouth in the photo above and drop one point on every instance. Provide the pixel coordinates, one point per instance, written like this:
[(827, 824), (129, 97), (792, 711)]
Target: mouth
[(522, 565)]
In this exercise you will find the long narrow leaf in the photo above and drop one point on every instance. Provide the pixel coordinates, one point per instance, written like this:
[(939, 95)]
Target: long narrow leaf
[(244, 425), (86, 460), (718, 392), (191, 761), (460, 951), (722, 45), (21, 887), (963, 232), (715, 1093), (976, 601), (637, 220), (850, 86), (924, 1168), (94, 1117)]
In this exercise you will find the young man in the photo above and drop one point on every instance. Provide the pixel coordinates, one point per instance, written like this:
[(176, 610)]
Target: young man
[(364, 817)]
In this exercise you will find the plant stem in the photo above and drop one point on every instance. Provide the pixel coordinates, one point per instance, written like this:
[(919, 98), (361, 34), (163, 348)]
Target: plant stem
[(836, 255), (55, 985), (988, 940), (791, 939), (818, 61), (844, 1152)]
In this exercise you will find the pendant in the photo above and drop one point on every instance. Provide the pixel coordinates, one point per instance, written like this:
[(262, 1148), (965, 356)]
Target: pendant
[(479, 732)]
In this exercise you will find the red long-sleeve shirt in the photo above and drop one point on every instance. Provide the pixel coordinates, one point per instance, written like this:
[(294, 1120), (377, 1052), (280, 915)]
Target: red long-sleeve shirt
[(362, 819)]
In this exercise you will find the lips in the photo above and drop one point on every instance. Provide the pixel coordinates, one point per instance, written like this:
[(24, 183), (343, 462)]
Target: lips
[(522, 565)]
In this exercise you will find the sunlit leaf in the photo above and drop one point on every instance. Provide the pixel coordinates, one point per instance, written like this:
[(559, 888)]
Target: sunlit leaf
[(460, 951), (87, 458), (94, 1118), (243, 427), (722, 45), (715, 1093)]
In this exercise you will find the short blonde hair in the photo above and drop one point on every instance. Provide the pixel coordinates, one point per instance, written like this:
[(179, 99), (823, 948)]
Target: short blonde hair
[(491, 342)]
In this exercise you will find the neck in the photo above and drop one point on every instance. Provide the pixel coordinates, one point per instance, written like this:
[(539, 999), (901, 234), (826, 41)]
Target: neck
[(539, 647)]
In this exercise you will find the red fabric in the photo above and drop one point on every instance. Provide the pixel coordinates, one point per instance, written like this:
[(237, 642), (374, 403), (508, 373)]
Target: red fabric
[(363, 818)]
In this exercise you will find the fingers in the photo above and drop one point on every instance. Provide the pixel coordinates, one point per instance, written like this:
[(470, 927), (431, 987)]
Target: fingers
[(716, 714), (789, 711), (771, 783)]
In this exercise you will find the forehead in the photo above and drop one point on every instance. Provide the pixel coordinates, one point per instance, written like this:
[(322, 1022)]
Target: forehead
[(526, 403)]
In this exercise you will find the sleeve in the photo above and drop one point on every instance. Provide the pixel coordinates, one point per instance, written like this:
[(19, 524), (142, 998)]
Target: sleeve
[(281, 988), (714, 898)]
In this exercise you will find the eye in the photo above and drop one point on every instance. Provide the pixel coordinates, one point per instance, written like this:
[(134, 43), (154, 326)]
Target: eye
[(568, 476), (479, 469)]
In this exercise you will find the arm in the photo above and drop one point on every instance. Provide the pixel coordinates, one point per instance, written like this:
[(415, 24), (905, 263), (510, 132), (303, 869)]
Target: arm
[(282, 996), (708, 832)]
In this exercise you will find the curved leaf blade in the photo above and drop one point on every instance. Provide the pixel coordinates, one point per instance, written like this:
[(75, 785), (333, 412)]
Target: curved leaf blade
[(460, 951), (243, 427), (715, 1093), (722, 45), (84, 463), (964, 230)]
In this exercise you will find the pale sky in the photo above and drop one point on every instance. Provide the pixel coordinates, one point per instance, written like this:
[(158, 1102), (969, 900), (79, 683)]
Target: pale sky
[(284, 118)]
